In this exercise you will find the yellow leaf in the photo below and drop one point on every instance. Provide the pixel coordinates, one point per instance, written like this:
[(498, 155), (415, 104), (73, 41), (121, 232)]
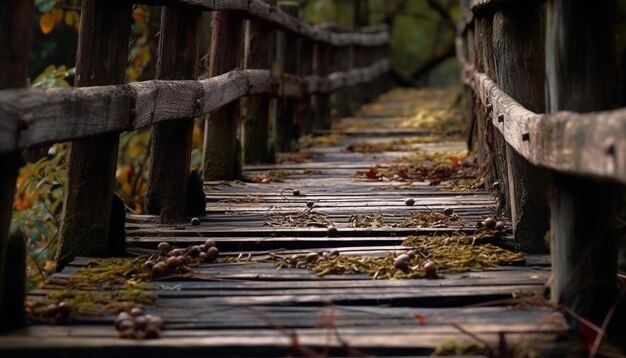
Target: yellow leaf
[(71, 18), (46, 23), (57, 14)]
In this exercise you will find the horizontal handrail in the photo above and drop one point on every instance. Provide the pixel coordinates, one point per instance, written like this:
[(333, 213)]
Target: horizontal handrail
[(584, 144), (260, 11), (34, 116)]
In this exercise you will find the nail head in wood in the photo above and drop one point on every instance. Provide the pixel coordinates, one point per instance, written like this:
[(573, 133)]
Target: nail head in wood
[(609, 146), (500, 117), (526, 137)]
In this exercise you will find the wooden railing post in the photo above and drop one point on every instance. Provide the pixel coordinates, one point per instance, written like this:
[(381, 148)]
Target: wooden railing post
[(102, 60), (321, 101), (304, 110), (286, 61), (222, 149), (518, 45), (171, 141), (15, 30), (581, 68), (255, 114)]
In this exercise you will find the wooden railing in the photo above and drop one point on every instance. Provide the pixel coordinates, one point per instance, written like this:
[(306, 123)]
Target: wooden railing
[(102, 105), (558, 153)]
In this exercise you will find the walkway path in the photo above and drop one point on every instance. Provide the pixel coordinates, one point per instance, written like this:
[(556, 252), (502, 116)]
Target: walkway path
[(245, 306)]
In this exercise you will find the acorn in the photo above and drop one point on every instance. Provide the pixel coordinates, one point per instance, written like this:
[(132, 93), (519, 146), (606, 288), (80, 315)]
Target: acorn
[(294, 259), (499, 226), (331, 231), (409, 201), (333, 252), (64, 309), (156, 321), (121, 317), (312, 257), (52, 310), (195, 221), (209, 243), (212, 253), (194, 251), (448, 211), (430, 269), (296, 192), (163, 248), (480, 225), (181, 260), (203, 255), (310, 204), (149, 264), (402, 263), (172, 262), (152, 332), (496, 185), (490, 223), (141, 322), (411, 254), (159, 269), (178, 252), (136, 311)]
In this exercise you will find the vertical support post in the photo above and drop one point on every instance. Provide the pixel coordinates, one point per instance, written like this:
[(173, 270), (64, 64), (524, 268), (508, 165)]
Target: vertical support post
[(222, 149), (519, 48), (321, 67), (284, 127), (255, 114), (171, 141), (15, 30), (304, 109), (580, 63), (101, 60)]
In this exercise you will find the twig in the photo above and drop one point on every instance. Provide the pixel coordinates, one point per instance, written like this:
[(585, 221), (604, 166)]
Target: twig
[(605, 323)]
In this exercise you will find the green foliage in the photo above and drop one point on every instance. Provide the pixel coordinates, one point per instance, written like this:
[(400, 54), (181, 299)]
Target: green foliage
[(38, 206), (54, 77), (45, 5)]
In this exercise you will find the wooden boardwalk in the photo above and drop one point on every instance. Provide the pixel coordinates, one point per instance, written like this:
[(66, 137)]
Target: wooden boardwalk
[(244, 306)]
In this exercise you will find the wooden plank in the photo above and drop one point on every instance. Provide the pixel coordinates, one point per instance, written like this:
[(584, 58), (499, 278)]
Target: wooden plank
[(517, 32), (171, 142), (103, 44), (15, 31), (258, 54), (274, 17)]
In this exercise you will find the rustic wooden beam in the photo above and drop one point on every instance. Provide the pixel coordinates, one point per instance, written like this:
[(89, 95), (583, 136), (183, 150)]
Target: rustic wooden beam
[(321, 102), (222, 149), (58, 114), (171, 141), (518, 48), (255, 111), (102, 60), (304, 106), (260, 11), (286, 62), (581, 71), (15, 30)]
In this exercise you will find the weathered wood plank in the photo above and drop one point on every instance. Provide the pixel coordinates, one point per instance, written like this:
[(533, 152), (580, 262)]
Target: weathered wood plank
[(102, 60), (171, 142), (272, 16), (15, 31)]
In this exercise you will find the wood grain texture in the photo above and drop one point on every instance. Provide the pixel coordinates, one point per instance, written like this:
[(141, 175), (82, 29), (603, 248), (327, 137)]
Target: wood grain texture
[(582, 208), (286, 62), (15, 30), (270, 15), (518, 52), (171, 142), (101, 60), (255, 112), (222, 154), (62, 114)]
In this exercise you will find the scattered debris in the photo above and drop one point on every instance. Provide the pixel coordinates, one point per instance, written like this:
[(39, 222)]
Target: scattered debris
[(309, 141), (272, 176), (304, 218), (367, 220)]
